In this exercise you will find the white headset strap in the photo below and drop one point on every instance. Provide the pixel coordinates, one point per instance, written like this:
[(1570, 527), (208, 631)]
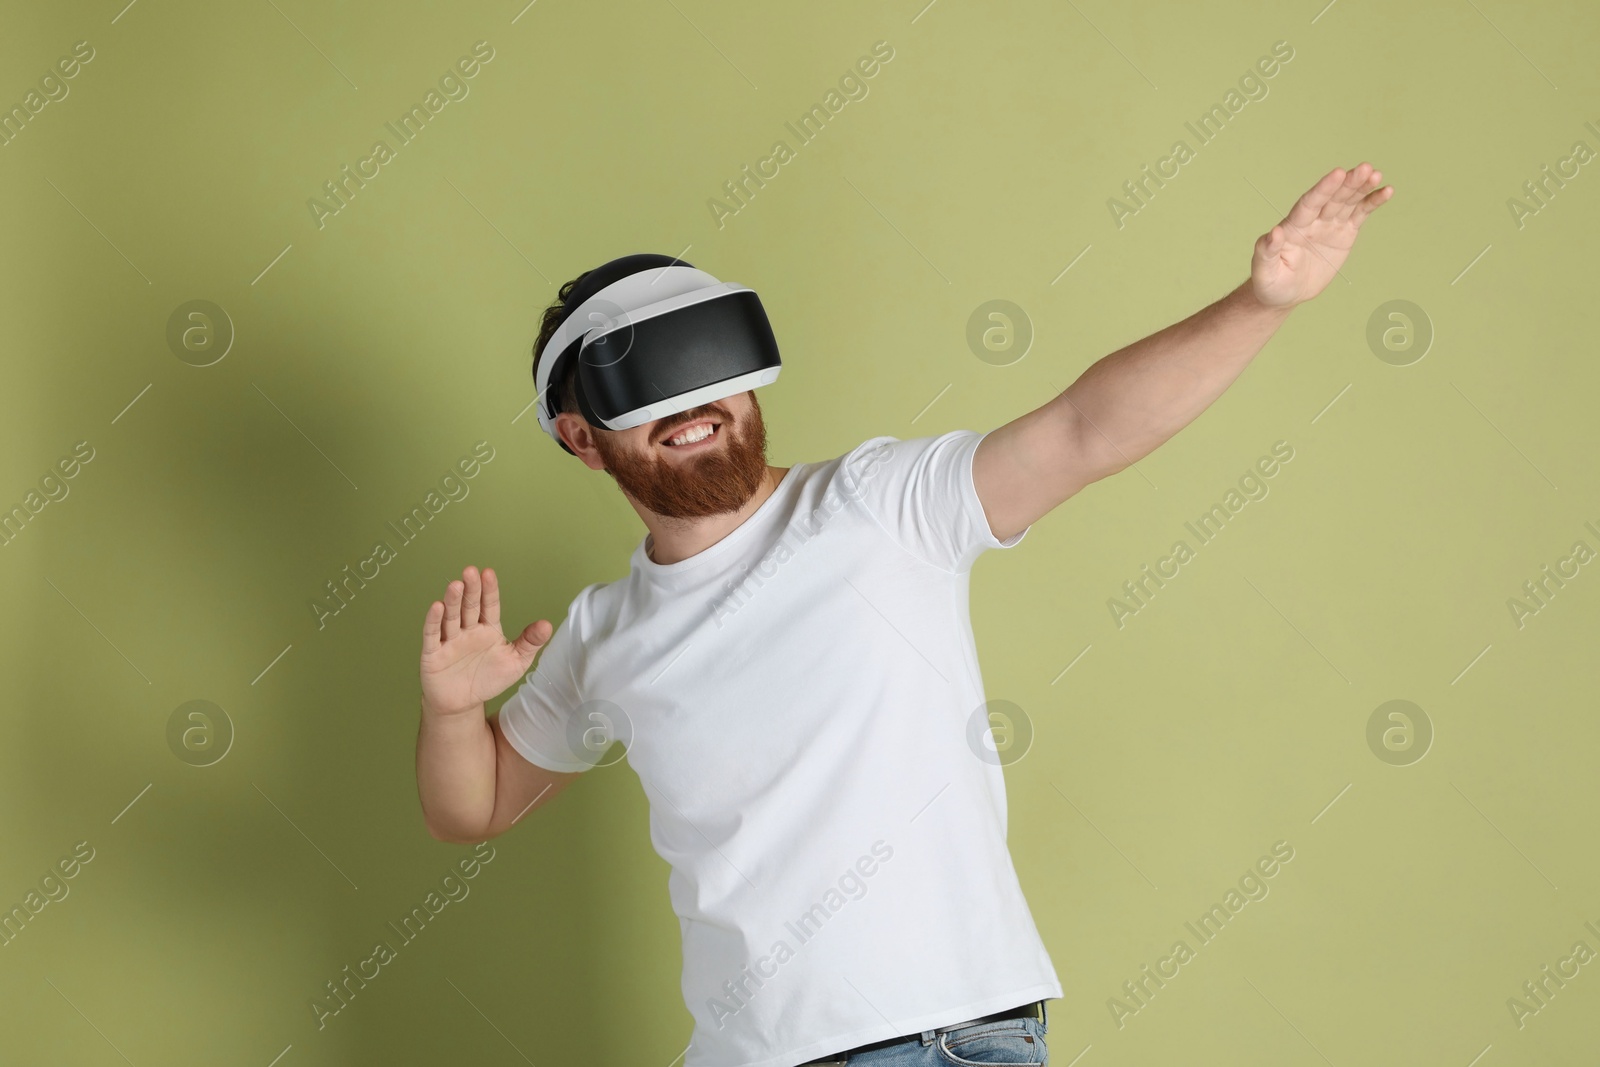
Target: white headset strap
[(632, 293)]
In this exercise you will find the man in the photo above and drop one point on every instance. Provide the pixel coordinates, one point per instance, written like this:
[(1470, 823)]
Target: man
[(791, 667)]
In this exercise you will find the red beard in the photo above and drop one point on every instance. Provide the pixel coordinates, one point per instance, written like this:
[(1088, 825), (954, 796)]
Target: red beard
[(720, 480)]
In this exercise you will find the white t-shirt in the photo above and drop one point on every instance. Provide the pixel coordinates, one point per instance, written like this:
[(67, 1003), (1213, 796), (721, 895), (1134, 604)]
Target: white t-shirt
[(803, 706)]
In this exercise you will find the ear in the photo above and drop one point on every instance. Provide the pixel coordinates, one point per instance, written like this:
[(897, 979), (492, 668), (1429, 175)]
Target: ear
[(579, 436)]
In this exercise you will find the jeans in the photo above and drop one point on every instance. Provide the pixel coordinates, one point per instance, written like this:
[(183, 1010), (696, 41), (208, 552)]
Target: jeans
[(1010, 1041)]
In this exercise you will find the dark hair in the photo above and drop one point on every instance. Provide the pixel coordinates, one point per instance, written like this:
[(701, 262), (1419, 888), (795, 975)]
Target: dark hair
[(566, 390), (571, 296)]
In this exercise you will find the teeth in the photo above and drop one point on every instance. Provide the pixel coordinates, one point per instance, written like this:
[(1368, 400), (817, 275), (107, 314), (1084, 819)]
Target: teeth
[(699, 433)]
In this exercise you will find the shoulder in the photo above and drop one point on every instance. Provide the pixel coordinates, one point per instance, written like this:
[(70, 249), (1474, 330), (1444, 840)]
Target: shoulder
[(876, 453), (594, 608)]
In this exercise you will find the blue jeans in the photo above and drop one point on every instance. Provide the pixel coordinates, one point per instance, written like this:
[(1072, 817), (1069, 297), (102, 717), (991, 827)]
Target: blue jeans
[(1017, 1042)]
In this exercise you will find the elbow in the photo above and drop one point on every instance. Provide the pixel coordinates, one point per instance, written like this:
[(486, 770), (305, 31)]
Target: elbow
[(1104, 462), (1097, 457)]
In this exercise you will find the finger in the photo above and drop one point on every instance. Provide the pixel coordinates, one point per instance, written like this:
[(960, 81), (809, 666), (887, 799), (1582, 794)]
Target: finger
[(491, 597), (1311, 203), (1360, 181), (1359, 208), (430, 627), (469, 604), (452, 609), (531, 640), (1370, 203)]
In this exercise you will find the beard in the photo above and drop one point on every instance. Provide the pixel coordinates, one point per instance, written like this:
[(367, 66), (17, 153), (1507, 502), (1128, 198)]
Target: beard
[(715, 482)]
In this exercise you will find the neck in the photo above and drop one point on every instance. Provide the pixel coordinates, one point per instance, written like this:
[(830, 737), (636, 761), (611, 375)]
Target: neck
[(673, 540)]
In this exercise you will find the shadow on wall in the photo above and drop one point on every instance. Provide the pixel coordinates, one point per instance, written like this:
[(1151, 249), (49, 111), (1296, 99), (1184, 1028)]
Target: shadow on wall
[(241, 888)]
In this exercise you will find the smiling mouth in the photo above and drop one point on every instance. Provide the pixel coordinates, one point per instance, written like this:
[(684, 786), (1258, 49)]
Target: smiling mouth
[(694, 432)]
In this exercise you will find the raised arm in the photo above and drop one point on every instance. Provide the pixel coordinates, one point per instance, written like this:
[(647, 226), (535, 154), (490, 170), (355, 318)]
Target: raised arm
[(472, 784), (1124, 406)]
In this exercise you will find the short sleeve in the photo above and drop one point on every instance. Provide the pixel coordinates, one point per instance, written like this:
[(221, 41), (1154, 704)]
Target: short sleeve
[(922, 493), (538, 717)]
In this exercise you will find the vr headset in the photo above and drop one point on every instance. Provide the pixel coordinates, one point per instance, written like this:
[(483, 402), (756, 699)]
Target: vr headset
[(649, 336)]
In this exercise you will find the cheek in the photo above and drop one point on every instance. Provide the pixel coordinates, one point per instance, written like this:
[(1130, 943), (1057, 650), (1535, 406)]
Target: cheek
[(630, 446)]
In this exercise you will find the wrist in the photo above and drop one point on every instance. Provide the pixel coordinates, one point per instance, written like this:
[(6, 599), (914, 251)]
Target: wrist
[(1254, 305), (431, 712)]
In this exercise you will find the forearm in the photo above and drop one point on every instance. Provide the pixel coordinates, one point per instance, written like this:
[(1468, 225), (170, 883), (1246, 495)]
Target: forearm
[(1128, 403), (456, 774)]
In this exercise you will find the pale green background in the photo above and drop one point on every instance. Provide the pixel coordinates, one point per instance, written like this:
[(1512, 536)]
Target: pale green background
[(1221, 719)]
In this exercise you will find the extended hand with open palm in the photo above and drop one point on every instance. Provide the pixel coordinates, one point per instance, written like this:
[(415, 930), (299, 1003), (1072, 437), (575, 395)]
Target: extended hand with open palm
[(1297, 258), (466, 659)]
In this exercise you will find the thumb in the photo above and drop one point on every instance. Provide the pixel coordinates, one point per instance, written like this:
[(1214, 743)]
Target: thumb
[(531, 640), (1270, 242)]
